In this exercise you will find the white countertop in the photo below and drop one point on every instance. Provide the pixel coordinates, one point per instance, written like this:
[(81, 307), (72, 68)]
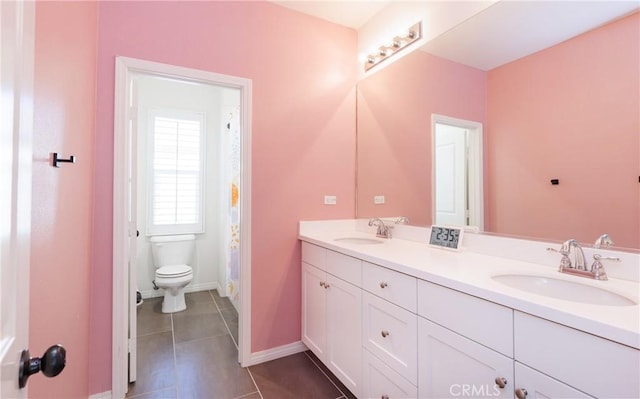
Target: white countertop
[(470, 272)]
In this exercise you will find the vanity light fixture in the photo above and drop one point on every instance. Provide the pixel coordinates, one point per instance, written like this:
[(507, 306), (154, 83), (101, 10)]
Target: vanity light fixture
[(397, 44)]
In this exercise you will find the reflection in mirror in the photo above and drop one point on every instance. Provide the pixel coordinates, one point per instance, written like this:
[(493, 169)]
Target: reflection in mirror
[(568, 112), (457, 172)]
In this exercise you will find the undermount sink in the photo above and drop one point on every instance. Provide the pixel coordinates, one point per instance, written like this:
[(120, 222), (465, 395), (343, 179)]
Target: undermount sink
[(358, 240), (563, 289)]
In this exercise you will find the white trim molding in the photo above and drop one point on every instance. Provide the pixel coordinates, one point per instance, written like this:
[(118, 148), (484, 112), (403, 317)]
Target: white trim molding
[(276, 353), (101, 395), (125, 68)]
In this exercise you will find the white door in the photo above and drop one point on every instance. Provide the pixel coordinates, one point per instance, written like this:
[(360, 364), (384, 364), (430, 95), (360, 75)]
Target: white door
[(452, 366), (17, 24), (450, 175)]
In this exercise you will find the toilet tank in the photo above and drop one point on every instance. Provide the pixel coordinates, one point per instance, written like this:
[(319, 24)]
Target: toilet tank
[(172, 250)]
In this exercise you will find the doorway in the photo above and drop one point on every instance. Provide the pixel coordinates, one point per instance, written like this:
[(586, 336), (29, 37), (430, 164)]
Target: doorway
[(457, 177), (228, 228)]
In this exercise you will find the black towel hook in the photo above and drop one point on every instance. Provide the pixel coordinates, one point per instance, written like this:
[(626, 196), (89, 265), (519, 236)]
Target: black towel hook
[(56, 160)]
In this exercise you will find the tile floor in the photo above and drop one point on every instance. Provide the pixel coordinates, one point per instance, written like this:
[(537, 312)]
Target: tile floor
[(194, 354)]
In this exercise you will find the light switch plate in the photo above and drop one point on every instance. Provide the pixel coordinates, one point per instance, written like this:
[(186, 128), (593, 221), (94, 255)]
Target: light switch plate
[(378, 199), (330, 200)]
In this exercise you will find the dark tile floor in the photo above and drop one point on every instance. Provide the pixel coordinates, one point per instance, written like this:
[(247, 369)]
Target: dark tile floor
[(194, 354)]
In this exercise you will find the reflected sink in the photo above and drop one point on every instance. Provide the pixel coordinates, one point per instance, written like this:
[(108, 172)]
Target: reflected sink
[(358, 240), (563, 289)]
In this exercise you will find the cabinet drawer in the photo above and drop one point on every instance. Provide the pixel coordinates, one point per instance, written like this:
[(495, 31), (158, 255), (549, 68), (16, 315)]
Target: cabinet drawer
[(594, 365), (390, 333), (395, 287), (345, 267), (482, 321), (380, 381), (314, 255)]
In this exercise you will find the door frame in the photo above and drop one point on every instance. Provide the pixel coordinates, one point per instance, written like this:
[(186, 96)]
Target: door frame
[(475, 162), (17, 37), (124, 68)]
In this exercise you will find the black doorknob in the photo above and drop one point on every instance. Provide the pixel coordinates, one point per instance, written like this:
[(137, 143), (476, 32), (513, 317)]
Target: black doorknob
[(51, 364)]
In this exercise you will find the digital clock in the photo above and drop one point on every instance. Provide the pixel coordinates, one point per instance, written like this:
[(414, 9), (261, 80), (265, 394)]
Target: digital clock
[(446, 237)]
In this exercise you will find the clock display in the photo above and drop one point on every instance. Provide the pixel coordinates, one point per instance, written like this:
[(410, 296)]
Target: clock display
[(445, 237)]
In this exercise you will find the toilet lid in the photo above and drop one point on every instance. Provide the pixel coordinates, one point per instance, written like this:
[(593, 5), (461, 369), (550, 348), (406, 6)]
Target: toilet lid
[(174, 271)]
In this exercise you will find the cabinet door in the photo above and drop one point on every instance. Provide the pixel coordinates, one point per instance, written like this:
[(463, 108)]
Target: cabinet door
[(314, 309), (344, 326), (531, 384), (454, 366), (380, 381)]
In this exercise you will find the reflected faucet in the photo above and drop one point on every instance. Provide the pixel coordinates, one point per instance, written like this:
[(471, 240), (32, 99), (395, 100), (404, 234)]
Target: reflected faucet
[(402, 220), (383, 231)]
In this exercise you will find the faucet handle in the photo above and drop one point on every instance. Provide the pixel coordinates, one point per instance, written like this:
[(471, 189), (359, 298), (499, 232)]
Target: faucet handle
[(565, 262), (597, 268), (561, 251), (598, 257)]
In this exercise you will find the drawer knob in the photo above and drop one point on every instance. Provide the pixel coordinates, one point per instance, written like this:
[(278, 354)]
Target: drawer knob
[(384, 333), (383, 284), (521, 393), (385, 396), (501, 382)]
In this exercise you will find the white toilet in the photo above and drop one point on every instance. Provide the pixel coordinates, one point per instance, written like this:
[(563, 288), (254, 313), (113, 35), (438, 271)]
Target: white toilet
[(172, 256)]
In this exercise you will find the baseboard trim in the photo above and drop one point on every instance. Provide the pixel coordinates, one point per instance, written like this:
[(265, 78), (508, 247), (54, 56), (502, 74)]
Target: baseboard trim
[(101, 395), (276, 353), (189, 288)]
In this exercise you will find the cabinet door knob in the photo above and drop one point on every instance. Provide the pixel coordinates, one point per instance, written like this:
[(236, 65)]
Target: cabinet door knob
[(384, 333), (383, 284), (322, 284), (501, 382), (326, 285), (521, 393), (385, 396)]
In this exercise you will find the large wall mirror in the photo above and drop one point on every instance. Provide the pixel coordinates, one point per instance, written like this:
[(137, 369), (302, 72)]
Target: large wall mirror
[(560, 136)]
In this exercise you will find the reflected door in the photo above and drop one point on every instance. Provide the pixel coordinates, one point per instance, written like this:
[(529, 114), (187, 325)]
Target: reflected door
[(450, 147)]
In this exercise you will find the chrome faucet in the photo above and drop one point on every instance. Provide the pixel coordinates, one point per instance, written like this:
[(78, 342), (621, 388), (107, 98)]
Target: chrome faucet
[(383, 230), (578, 267), (402, 220)]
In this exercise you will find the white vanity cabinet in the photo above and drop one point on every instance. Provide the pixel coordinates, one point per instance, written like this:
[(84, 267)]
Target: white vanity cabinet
[(331, 312), (387, 334)]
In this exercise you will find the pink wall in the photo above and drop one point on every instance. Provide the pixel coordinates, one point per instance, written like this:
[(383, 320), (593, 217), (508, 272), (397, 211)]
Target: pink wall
[(303, 73), (64, 109), (542, 112), (394, 129)]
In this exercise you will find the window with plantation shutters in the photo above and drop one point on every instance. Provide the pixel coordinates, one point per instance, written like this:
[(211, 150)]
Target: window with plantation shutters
[(176, 166)]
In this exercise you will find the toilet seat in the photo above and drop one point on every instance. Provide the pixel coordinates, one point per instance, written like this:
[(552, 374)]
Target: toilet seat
[(174, 271)]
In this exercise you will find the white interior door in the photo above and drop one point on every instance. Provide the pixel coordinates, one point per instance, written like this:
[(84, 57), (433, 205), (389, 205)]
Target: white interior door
[(17, 30), (450, 175)]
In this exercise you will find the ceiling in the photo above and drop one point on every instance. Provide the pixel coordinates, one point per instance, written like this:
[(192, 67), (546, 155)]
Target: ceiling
[(350, 13), (503, 32)]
